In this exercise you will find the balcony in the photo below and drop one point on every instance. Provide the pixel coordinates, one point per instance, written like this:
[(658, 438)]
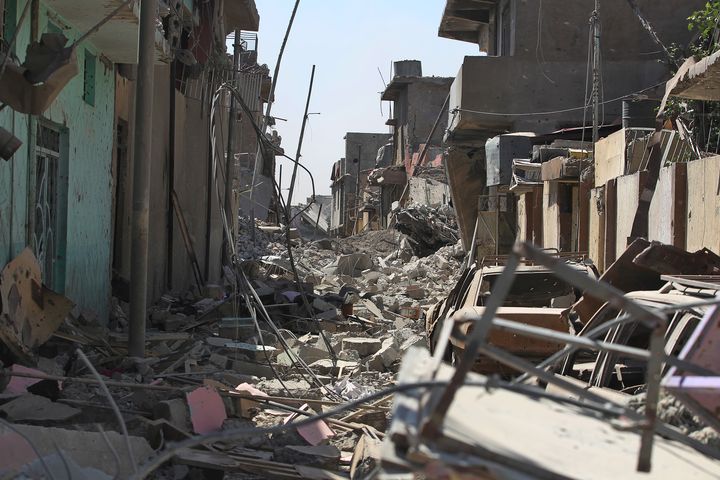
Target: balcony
[(468, 21), (489, 93), (118, 38)]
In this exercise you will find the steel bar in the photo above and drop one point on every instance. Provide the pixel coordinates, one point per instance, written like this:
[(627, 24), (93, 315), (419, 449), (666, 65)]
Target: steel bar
[(229, 157), (300, 140), (142, 162)]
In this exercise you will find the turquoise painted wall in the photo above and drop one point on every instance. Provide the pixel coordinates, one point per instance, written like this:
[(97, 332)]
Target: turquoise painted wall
[(90, 132)]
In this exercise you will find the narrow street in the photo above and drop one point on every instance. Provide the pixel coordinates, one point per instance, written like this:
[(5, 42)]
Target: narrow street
[(296, 239)]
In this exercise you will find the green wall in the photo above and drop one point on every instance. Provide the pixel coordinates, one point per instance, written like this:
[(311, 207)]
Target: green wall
[(90, 131)]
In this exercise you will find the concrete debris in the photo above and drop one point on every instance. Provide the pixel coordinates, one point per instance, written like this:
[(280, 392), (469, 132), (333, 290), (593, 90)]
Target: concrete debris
[(266, 349), (429, 228)]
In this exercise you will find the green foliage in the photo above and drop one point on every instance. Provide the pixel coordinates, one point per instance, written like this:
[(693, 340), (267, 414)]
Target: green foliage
[(705, 22), (701, 118)]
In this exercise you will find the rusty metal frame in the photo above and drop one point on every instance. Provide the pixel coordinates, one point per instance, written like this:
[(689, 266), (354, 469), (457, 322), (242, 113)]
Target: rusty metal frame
[(438, 406)]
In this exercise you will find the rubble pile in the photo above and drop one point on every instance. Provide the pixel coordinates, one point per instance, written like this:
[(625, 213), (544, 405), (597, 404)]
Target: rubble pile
[(430, 228), (261, 354), (287, 369)]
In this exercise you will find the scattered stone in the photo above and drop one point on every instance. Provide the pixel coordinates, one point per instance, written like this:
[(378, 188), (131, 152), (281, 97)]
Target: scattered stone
[(364, 346)]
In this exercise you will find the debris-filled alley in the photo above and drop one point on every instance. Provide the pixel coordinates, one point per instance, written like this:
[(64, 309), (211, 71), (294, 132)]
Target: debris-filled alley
[(517, 276)]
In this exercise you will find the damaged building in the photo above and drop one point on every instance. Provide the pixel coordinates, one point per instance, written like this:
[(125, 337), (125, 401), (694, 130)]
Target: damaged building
[(68, 186), (519, 280), (536, 91)]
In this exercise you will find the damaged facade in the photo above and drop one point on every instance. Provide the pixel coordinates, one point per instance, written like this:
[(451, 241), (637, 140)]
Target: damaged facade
[(564, 324), (68, 188), (510, 91)]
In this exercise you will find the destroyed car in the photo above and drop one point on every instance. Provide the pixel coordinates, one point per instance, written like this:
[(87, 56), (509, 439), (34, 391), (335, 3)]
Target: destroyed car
[(605, 372), (537, 297)]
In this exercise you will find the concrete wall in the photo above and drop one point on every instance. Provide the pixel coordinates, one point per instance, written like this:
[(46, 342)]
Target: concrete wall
[(427, 192), (89, 130), (684, 211), (628, 198), (596, 228), (551, 219), (425, 99), (466, 178), (703, 217), (564, 34), (190, 183), (517, 85), (668, 209), (363, 147)]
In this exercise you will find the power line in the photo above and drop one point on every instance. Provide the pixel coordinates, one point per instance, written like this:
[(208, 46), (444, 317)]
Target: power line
[(552, 112)]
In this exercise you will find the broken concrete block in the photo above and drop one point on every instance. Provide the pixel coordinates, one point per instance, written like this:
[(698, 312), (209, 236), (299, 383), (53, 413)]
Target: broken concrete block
[(364, 346), (325, 366), (403, 322), (175, 411), (34, 408), (413, 341), (354, 264), (308, 353), (389, 354), (86, 449), (251, 368), (349, 355), (375, 364)]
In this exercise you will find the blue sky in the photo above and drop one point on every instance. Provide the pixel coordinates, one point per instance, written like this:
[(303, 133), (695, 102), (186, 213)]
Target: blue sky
[(347, 40)]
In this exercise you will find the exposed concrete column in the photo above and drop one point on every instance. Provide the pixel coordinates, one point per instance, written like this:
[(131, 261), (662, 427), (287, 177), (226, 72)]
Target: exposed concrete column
[(142, 154)]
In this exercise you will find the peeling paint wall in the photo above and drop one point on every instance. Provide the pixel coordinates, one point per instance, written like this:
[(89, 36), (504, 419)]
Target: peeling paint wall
[(89, 148)]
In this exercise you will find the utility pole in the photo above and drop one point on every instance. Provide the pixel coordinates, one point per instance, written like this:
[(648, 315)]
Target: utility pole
[(257, 170), (357, 189), (142, 154), (300, 141), (229, 213), (596, 73)]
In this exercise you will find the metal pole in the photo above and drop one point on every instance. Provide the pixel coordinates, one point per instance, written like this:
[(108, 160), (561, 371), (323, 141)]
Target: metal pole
[(596, 74), (258, 163), (229, 213), (357, 189), (300, 141), (141, 177), (171, 175)]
